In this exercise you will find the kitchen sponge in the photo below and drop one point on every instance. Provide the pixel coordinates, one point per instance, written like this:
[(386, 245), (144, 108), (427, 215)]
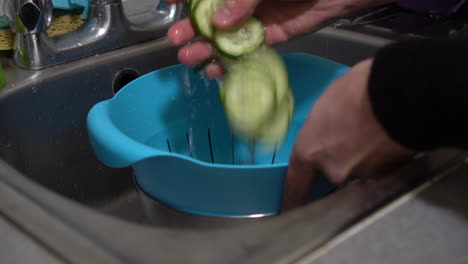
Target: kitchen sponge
[(59, 26)]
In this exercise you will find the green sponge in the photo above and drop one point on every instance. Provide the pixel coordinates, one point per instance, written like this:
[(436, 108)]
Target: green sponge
[(57, 13)]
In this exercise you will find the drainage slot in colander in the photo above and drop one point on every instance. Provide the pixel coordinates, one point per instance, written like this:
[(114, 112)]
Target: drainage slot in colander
[(211, 146), (168, 145), (214, 145), (189, 143), (274, 155), (232, 149)]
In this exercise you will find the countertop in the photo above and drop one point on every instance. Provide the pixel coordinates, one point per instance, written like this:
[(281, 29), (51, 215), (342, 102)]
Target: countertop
[(18, 248), (429, 225)]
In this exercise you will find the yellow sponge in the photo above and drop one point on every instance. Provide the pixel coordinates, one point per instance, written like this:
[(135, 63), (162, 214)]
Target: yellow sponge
[(58, 26)]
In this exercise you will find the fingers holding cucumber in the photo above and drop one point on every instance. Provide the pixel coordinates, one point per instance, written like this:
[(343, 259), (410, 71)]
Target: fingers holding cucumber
[(216, 16), (231, 42)]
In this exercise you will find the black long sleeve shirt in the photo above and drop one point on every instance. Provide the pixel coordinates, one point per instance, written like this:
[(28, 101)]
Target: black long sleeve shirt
[(419, 92)]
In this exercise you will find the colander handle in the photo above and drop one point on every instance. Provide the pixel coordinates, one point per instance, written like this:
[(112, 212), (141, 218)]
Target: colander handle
[(112, 146)]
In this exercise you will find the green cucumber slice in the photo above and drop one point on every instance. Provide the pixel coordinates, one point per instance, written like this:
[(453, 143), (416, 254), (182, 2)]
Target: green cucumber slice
[(242, 40), (203, 10), (222, 92), (249, 99), (274, 131), (192, 4), (275, 64)]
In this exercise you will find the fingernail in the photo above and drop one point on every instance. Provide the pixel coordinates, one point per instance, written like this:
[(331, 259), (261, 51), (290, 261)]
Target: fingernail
[(177, 36), (222, 16), (184, 56), (174, 35), (188, 52)]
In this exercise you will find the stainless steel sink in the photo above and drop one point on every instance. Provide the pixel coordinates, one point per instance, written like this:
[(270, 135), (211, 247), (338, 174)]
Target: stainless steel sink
[(53, 186), (43, 114)]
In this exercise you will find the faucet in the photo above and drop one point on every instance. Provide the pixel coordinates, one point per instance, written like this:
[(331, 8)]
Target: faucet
[(106, 28)]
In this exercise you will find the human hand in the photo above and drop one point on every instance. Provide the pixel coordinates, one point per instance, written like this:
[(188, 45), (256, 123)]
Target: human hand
[(284, 19), (342, 138)]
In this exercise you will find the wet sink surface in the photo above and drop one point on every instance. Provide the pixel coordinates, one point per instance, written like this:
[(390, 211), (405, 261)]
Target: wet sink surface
[(44, 138)]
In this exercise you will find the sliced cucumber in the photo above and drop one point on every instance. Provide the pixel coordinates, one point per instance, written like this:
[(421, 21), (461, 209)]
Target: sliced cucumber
[(275, 64), (242, 40), (278, 70), (222, 92), (274, 131), (192, 4), (202, 12), (255, 93), (249, 99)]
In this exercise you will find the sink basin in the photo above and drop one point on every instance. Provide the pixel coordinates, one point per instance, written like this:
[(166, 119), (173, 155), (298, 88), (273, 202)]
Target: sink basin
[(46, 138), (50, 169)]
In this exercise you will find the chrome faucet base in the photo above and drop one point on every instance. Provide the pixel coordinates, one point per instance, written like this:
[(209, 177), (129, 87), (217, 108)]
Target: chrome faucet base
[(107, 28)]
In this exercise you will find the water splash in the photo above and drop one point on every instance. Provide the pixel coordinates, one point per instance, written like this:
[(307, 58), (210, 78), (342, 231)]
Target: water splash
[(189, 92)]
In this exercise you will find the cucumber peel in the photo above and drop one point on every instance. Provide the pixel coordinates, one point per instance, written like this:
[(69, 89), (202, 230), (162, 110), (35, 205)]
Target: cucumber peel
[(202, 11)]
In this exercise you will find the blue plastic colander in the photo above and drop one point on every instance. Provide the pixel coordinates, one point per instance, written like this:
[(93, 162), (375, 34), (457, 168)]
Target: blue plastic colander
[(170, 126)]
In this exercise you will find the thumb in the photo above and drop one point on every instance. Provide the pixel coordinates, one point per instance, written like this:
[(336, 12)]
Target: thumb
[(299, 179), (233, 12)]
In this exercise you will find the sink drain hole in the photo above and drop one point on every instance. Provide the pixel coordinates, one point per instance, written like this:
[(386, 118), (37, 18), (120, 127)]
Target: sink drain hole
[(122, 78)]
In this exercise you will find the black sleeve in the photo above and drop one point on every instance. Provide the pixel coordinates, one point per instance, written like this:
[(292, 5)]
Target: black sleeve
[(419, 93)]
